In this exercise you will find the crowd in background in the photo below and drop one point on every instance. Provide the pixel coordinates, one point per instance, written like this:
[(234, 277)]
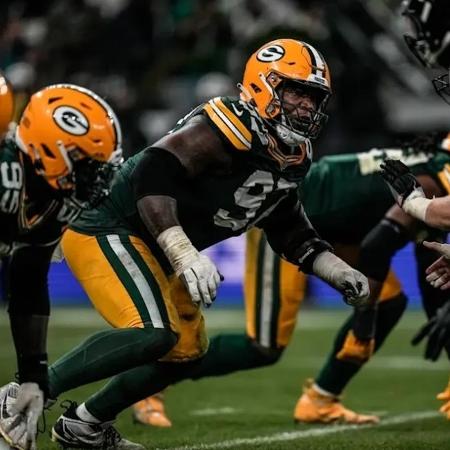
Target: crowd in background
[(153, 60)]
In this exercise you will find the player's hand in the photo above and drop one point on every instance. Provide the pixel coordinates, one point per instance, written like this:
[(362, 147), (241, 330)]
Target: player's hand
[(401, 181), (438, 273), (201, 279), (29, 404), (437, 329), (355, 288), (338, 274)]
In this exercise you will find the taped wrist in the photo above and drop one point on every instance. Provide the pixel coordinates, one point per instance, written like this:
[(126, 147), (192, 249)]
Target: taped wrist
[(178, 248), (416, 205), (379, 246), (305, 254), (329, 267)]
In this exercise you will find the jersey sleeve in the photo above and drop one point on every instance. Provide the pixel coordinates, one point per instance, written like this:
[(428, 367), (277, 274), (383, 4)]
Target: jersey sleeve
[(231, 120)]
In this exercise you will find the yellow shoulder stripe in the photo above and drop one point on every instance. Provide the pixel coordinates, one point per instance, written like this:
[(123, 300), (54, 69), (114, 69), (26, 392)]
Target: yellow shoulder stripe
[(229, 124), (444, 177)]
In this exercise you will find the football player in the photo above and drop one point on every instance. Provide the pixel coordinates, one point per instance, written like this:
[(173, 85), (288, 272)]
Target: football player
[(359, 218), (430, 42), (57, 161), (229, 165)]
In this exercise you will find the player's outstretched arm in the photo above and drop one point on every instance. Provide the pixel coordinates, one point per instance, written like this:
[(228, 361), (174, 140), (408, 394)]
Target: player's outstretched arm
[(408, 193), (291, 235), (162, 175)]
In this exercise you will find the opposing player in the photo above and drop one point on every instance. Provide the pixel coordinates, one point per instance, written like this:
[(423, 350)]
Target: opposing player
[(358, 217), (431, 44), (58, 161), (227, 166)]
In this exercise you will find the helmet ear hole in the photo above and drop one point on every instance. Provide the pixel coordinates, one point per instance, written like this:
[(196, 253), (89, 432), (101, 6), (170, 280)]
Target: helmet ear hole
[(47, 151), (255, 88), (53, 99)]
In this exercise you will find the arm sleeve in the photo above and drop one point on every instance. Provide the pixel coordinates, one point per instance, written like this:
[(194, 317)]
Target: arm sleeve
[(291, 235), (159, 172), (27, 287)]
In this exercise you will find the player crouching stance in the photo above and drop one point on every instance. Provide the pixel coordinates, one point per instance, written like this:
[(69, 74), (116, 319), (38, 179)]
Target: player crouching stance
[(59, 161), (226, 167)]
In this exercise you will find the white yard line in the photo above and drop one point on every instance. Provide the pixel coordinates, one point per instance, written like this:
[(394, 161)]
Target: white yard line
[(214, 411), (301, 434)]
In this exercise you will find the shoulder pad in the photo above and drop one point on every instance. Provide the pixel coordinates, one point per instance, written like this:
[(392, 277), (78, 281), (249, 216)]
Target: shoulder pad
[(232, 119)]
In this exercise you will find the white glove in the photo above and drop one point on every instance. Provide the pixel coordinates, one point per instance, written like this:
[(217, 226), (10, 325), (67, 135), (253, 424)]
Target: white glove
[(198, 273), (338, 274), (201, 280), (30, 404)]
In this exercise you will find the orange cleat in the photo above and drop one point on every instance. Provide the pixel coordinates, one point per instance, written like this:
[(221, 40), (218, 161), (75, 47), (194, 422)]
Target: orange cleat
[(150, 411), (315, 407), (445, 397)]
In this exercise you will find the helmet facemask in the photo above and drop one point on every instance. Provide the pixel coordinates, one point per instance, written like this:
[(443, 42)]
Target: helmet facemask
[(295, 123), (88, 181), (429, 40), (442, 86)]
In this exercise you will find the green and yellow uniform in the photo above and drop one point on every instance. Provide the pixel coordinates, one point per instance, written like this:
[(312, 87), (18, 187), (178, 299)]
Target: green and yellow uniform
[(127, 276), (344, 196)]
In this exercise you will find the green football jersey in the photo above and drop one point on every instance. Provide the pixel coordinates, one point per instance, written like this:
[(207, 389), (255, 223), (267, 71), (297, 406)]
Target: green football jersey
[(345, 195), (30, 210), (217, 205)]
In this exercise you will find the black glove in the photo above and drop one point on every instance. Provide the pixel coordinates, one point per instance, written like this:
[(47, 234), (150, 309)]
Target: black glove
[(399, 178), (438, 331)]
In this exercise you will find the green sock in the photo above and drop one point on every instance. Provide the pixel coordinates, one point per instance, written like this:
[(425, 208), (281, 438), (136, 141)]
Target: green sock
[(108, 353), (133, 385), (229, 353), (226, 354), (336, 374)]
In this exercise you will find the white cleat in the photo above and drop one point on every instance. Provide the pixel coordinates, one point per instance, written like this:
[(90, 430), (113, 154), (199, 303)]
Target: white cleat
[(71, 432)]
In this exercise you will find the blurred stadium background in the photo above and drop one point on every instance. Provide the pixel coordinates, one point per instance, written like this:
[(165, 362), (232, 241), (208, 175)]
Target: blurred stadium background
[(155, 60)]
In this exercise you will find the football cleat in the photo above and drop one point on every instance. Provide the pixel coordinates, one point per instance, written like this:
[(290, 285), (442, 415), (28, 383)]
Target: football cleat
[(355, 350), (13, 427), (445, 394), (315, 407), (150, 411), (72, 432), (445, 397)]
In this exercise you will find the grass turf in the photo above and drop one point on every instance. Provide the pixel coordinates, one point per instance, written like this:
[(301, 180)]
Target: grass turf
[(253, 410)]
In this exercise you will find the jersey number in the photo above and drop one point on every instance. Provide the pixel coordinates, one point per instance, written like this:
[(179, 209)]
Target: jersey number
[(11, 174), (251, 202)]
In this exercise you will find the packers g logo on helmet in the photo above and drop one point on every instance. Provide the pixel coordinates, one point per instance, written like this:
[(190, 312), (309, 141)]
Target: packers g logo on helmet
[(270, 54), (71, 136), (287, 65), (71, 120)]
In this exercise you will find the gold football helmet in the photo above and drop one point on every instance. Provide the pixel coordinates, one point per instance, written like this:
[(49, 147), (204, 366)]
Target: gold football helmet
[(73, 139), (6, 105), (281, 64)]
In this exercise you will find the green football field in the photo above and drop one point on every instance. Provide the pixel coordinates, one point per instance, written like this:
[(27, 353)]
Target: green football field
[(253, 410)]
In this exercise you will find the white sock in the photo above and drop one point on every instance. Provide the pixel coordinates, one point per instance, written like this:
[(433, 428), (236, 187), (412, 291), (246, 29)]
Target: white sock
[(85, 415), (321, 391)]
